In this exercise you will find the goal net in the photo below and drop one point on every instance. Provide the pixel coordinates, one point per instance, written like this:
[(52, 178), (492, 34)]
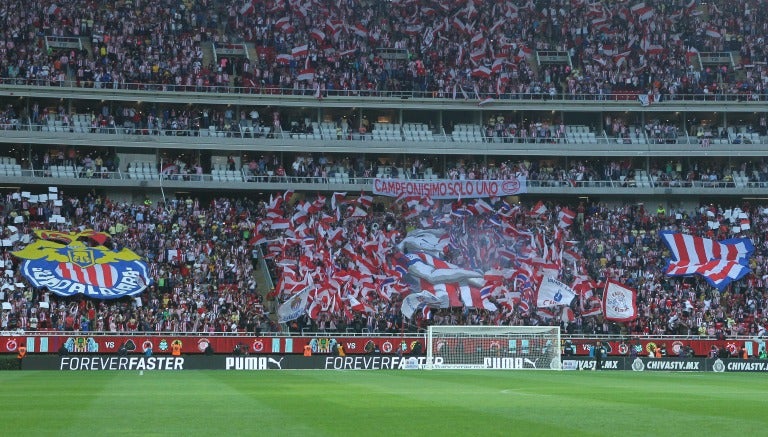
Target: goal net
[(493, 347)]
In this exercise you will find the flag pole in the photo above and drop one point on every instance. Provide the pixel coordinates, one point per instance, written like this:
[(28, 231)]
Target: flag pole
[(162, 190)]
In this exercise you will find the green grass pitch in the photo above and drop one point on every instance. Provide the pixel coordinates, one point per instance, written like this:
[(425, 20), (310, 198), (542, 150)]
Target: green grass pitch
[(386, 403)]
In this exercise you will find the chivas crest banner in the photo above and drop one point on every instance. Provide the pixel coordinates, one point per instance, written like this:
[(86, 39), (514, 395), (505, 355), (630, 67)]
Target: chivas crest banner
[(294, 307), (79, 263)]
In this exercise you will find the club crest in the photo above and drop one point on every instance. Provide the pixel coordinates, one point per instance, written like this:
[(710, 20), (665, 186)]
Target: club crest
[(81, 263)]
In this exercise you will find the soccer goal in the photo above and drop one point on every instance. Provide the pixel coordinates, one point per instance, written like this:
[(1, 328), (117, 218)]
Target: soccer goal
[(493, 347)]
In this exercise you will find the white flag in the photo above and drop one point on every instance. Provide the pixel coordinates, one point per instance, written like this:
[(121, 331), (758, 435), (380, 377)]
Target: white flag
[(553, 293), (431, 241), (414, 301), (294, 307), (619, 302)]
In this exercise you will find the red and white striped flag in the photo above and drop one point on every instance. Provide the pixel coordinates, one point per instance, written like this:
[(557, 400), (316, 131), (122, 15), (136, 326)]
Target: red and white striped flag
[(300, 51), (478, 39), (582, 284), (307, 74), (645, 13), (280, 223), (481, 72), (690, 249), (358, 306), (498, 64), (317, 34), (712, 32), (472, 298), (565, 218), (360, 30), (283, 23), (538, 209), (477, 54), (365, 200), (719, 263), (480, 207), (459, 25), (100, 275), (337, 199)]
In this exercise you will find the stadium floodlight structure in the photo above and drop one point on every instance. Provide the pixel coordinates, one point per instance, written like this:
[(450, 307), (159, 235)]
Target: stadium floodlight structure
[(493, 347)]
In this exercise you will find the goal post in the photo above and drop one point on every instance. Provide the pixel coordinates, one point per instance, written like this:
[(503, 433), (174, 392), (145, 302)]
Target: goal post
[(493, 347)]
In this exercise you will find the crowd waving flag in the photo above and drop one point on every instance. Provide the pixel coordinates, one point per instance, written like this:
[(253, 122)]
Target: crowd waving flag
[(478, 254), (720, 263)]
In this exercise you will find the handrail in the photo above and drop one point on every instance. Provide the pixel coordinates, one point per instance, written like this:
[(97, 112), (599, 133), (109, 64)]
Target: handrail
[(237, 132), (309, 93), (368, 181)]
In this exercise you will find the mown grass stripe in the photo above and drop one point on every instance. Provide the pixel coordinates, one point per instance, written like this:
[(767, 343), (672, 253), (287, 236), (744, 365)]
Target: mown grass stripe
[(386, 403)]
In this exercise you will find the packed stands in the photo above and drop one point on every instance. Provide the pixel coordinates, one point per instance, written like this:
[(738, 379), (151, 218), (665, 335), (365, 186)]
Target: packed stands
[(203, 264), (691, 55), (444, 49)]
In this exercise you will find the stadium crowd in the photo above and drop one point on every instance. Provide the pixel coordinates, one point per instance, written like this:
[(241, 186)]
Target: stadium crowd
[(200, 264), (203, 256), (202, 259), (440, 48)]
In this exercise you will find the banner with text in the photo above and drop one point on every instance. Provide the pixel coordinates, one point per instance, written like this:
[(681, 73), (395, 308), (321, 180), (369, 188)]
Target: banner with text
[(222, 362), (449, 189), (113, 362)]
